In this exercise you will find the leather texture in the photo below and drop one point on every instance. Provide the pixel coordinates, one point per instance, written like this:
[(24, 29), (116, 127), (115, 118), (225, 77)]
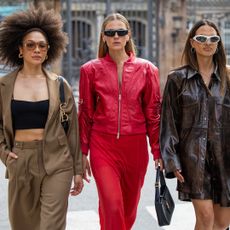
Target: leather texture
[(127, 108), (164, 204), (194, 117)]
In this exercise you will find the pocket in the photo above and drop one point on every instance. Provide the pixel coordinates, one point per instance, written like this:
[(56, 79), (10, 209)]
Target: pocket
[(18, 168), (11, 167), (225, 115), (190, 114)]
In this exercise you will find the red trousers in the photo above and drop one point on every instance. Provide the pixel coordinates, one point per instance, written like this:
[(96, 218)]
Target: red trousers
[(119, 167)]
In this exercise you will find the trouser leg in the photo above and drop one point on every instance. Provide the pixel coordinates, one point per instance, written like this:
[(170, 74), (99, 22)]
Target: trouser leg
[(133, 180), (37, 201), (24, 187), (107, 177), (119, 167), (111, 209), (136, 161), (55, 190)]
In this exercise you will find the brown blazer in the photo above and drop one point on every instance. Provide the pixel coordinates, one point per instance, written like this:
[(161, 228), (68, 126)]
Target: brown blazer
[(60, 151)]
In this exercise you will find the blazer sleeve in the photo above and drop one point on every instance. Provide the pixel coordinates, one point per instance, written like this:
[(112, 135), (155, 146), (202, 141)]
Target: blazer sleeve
[(86, 107), (4, 151), (151, 108), (169, 126), (73, 131)]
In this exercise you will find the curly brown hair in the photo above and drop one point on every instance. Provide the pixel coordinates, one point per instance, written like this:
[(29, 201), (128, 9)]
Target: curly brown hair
[(14, 27)]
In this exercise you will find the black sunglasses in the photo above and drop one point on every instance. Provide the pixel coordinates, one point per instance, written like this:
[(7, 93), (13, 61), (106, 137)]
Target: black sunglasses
[(111, 33)]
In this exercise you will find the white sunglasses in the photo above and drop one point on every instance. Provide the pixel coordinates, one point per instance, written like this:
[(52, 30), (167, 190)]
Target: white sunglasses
[(203, 38)]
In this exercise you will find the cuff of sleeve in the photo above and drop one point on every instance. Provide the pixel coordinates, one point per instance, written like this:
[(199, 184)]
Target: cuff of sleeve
[(156, 154), (85, 149), (77, 171)]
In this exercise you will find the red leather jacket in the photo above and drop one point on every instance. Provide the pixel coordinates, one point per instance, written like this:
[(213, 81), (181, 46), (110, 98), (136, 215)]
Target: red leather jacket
[(127, 108)]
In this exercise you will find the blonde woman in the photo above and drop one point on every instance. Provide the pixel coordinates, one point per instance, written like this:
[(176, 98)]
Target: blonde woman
[(119, 105)]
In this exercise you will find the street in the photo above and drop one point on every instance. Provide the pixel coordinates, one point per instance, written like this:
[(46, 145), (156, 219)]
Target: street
[(82, 211)]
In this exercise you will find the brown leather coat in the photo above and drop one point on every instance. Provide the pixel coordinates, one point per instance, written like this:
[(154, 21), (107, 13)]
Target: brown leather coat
[(193, 115)]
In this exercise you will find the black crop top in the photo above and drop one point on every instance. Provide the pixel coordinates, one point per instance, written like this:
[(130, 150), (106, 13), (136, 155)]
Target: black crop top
[(29, 114)]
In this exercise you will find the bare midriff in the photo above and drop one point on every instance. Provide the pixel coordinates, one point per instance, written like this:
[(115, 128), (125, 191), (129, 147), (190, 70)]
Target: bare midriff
[(29, 134)]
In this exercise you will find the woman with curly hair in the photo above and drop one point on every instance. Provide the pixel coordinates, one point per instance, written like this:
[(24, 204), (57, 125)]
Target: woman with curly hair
[(41, 159)]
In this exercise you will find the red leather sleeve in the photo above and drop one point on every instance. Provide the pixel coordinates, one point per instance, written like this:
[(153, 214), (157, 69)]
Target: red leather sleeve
[(152, 107), (86, 108)]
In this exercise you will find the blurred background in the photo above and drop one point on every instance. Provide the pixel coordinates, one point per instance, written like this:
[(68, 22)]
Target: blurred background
[(159, 28)]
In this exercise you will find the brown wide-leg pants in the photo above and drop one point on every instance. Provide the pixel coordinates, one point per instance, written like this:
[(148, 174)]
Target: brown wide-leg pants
[(37, 201)]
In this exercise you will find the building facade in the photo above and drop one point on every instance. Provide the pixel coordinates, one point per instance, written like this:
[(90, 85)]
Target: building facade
[(215, 10), (87, 17), (159, 28)]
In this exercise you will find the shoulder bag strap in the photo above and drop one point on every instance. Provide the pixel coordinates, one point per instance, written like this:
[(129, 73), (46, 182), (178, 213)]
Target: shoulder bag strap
[(61, 90), (64, 116)]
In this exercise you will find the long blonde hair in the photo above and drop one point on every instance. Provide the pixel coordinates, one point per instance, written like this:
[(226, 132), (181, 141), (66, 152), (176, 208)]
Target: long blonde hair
[(103, 48)]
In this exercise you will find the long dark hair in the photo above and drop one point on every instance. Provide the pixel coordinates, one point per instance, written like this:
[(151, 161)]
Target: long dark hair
[(219, 58)]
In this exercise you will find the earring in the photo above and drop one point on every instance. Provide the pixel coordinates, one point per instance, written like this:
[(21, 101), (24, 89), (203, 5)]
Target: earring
[(20, 55), (216, 50), (193, 50), (46, 57)]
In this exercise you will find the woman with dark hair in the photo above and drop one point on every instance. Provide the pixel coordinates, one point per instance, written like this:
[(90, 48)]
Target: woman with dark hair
[(195, 127), (41, 159), (119, 105)]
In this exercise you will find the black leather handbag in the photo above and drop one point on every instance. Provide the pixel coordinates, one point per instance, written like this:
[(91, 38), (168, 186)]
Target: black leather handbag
[(164, 203)]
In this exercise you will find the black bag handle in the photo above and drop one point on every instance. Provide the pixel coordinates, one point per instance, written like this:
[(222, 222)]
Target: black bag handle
[(160, 182), (160, 179), (61, 90)]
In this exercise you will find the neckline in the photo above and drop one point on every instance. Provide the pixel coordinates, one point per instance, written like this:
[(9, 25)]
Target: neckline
[(25, 101)]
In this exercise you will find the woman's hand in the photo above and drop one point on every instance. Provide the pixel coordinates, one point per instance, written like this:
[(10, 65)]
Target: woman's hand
[(86, 168), (179, 176), (159, 162), (12, 155), (78, 185)]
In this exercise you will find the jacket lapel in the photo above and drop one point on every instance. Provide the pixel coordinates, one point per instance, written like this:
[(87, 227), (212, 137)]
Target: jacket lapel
[(53, 89), (7, 85)]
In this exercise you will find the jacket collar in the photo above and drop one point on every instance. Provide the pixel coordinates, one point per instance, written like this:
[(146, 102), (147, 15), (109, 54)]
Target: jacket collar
[(193, 72), (130, 59)]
